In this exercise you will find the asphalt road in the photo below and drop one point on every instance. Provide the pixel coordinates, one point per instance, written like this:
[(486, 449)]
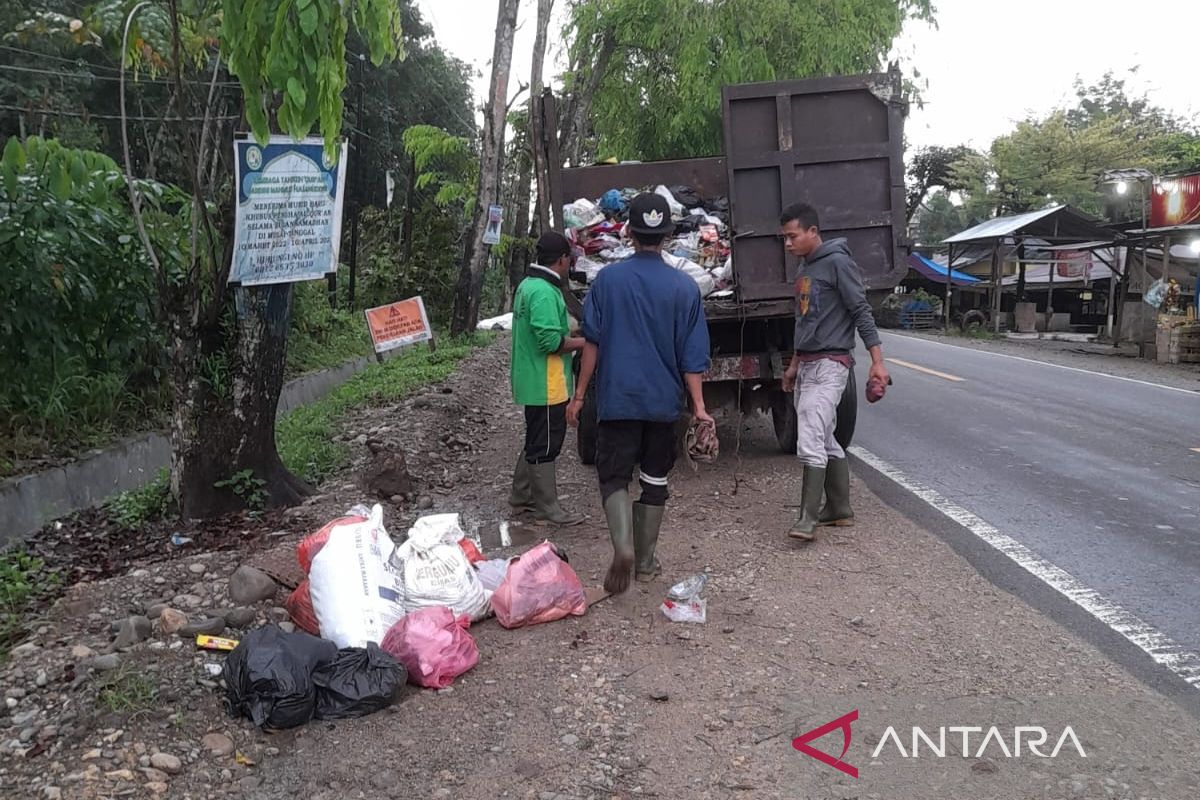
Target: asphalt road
[(1095, 474)]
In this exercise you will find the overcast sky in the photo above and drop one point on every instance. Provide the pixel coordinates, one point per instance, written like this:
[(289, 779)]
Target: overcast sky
[(988, 64)]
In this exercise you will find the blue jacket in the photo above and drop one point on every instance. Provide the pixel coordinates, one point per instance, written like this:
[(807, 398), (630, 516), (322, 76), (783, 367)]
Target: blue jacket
[(647, 319)]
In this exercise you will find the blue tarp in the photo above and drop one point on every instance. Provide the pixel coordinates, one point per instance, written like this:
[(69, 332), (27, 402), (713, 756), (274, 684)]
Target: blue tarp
[(936, 272)]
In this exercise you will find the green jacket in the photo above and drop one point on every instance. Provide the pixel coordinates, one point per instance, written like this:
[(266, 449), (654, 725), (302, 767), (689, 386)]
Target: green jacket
[(540, 375)]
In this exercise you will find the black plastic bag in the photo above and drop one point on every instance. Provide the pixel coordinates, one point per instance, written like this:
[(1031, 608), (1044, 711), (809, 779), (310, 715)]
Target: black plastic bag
[(687, 196), (357, 682), (268, 676)]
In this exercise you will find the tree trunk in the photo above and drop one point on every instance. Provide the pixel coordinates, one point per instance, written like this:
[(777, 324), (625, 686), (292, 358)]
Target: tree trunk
[(577, 104), (226, 400), (469, 286), (518, 260), (536, 122)]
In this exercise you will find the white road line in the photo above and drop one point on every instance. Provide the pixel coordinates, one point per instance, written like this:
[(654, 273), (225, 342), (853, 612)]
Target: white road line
[(1160, 647), (1046, 364)]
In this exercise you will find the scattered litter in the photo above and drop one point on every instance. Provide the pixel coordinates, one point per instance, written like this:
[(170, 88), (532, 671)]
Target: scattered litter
[(684, 604), (213, 670), (243, 760), (179, 540), (433, 645), (539, 586), (505, 535), (207, 642)]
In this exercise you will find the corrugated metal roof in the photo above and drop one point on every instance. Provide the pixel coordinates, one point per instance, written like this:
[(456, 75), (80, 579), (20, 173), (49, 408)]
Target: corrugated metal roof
[(1059, 222)]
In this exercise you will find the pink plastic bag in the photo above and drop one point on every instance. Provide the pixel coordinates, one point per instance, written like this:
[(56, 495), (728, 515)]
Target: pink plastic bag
[(433, 646), (539, 587)]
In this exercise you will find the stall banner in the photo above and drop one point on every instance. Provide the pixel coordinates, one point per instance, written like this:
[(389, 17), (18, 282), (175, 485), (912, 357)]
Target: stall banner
[(289, 210)]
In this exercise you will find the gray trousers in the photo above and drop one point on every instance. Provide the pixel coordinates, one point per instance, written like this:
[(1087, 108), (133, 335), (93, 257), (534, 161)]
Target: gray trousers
[(819, 387)]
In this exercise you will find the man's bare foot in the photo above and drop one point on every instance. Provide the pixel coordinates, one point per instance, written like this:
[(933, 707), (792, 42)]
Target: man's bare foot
[(617, 580)]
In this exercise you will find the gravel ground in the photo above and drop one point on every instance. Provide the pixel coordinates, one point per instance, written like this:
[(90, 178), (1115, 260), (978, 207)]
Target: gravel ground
[(620, 703)]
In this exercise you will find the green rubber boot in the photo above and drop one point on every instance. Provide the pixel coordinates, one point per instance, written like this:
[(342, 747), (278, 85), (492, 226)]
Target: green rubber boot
[(619, 513), (810, 504), (521, 498), (647, 520), (544, 482), (837, 495)]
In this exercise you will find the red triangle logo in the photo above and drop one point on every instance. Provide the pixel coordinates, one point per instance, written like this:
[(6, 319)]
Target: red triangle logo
[(842, 723)]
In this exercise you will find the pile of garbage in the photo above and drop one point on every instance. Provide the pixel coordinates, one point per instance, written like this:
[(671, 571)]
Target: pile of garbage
[(699, 245), (373, 615)]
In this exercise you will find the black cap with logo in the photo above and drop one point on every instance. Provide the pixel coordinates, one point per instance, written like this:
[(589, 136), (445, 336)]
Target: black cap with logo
[(649, 213)]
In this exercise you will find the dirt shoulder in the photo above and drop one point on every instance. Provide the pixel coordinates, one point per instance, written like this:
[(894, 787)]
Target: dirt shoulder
[(882, 618), (1122, 361)]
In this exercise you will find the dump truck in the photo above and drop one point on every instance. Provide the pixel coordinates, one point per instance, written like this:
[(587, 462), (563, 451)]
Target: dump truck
[(836, 143)]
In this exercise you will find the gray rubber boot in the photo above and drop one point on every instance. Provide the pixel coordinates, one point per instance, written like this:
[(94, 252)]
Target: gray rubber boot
[(647, 520), (619, 513), (521, 498), (810, 504), (545, 496), (837, 509)]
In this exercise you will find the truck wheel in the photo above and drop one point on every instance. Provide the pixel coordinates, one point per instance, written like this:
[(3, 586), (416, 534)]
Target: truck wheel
[(783, 415), (588, 429)]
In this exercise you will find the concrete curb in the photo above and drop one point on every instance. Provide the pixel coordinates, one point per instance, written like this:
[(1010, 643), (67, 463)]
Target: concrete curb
[(29, 502)]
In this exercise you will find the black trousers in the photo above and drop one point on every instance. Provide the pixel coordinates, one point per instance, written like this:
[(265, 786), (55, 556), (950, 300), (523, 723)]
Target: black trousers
[(545, 430), (623, 444)]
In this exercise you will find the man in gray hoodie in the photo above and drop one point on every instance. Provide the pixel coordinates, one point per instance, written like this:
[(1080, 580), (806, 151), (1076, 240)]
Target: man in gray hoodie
[(830, 305)]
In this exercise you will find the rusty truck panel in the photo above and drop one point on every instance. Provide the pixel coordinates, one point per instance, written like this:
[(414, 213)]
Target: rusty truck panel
[(836, 143)]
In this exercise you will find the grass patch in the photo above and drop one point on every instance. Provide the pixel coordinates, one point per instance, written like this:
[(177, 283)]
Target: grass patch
[(127, 690), (24, 579), (305, 437), (322, 337), (135, 508)]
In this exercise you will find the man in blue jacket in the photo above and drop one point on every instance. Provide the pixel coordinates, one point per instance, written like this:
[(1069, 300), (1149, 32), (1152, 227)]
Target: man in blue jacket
[(646, 343)]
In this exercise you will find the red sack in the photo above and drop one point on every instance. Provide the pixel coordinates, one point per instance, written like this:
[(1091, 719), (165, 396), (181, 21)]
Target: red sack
[(300, 608), (433, 646), (471, 551), (538, 587), (308, 548)]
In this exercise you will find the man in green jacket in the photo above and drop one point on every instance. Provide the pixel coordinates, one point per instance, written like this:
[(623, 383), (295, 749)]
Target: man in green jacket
[(542, 378)]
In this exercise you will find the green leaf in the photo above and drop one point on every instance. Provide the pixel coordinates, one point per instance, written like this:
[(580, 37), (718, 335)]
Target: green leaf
[(296, 92), (12, 164), (60, 182), (308, 20)]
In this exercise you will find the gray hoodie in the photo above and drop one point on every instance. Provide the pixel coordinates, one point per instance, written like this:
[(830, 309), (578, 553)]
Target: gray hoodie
[(831, 302)]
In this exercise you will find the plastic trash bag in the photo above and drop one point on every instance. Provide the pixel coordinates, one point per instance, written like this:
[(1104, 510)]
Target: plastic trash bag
[(491, 573), (311, 545), (538, 587), (434, 570), (676, 206), (1156, 293), (504, 322), (268, 676), (699, 274), (433, 645), (355, 593), (684, 603), (581, 214), (612, 202), (357, 682), (300, 608), (687, 196)]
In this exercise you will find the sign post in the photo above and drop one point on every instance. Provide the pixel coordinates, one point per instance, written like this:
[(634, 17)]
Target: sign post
[(398, 325), (495, 220)]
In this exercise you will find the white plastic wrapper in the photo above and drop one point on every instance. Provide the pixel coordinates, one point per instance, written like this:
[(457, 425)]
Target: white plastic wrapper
[(504, 322), (699, 274)]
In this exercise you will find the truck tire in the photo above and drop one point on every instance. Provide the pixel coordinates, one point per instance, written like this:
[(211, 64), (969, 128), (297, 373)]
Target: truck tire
[(588, 429), (783, 415)]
